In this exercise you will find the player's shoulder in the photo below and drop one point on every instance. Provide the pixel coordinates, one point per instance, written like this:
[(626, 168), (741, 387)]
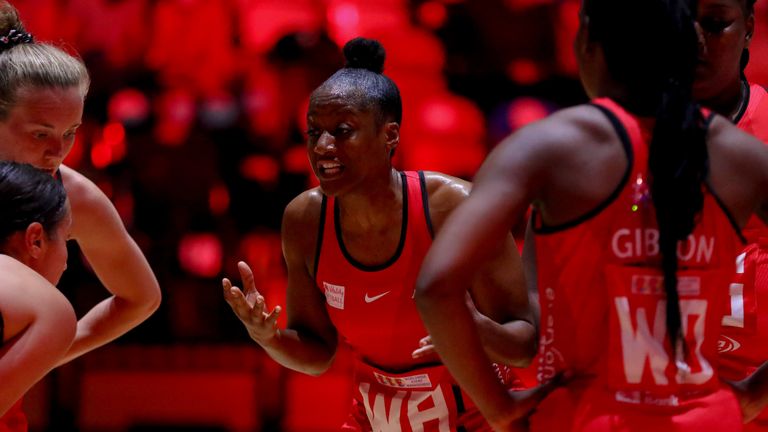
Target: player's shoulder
[(16, 275), (80, 189), (572, 126), (301, 220), (442, 187), (305, 206)]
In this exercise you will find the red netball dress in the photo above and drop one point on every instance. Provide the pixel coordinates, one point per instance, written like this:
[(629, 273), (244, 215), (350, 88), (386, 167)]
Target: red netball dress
[(603, 311), (14, 420), (742, 345), (372, 307)]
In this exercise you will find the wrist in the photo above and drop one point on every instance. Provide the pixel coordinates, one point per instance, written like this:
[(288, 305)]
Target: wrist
[(267, 342)]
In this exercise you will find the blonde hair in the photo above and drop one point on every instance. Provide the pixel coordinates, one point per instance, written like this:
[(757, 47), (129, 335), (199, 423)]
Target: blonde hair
[(33, 64)]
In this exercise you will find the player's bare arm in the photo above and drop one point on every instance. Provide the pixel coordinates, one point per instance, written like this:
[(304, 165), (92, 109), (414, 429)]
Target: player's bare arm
[(118, 262)]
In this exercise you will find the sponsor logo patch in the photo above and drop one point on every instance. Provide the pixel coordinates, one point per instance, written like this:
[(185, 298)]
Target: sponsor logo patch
[(654, 285), (334, 295), (412, 381), (726, 344)]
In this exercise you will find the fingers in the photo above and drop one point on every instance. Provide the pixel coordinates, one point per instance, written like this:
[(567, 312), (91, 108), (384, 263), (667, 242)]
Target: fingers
[(235, 299), (424, 351), (250, 306), (425, 348), (271, 319), (249, 283), (258, 307)]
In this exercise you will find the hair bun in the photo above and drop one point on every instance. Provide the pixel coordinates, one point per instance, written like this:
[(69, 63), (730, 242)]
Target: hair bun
[(364, 53)]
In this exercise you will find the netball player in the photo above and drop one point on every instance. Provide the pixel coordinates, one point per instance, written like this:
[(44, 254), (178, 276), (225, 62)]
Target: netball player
[(639, 200), (353, 247)]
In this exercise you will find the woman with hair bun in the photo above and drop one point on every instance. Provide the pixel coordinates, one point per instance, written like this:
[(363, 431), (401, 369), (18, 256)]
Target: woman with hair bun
[(37, 324), (639, 199), (353, 247)]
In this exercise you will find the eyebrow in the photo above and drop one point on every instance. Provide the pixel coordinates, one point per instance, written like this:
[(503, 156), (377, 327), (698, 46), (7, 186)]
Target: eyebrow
[(717, 5), (50, 126)]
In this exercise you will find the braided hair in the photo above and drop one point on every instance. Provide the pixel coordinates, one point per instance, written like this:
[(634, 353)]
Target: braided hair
[(657, 68)]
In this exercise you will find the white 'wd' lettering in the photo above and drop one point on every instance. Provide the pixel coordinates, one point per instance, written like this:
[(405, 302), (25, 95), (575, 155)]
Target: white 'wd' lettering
[(639, 343)]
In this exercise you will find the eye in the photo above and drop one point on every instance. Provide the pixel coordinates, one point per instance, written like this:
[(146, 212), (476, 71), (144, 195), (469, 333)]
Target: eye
[(342, 131), (714, 25), (40, 135), (313, 134), (70, 135)]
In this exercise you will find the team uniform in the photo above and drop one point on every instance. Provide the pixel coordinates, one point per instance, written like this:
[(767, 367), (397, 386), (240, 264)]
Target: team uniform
[(603, 311), (372, 307), (14, 420), (742, 345)]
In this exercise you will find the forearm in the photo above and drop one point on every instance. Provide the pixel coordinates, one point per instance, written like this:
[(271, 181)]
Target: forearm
[(105, 322), (756, 387), (300, 352), (512, 343), (135, 296), (28, 356), (126, 274), (459, 346)]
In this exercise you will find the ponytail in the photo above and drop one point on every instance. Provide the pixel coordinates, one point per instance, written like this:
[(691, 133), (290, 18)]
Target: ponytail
[(657, 69), (678, 158)]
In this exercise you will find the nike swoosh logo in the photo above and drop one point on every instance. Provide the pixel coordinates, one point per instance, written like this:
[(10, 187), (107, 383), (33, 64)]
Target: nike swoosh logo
[(374, 298)]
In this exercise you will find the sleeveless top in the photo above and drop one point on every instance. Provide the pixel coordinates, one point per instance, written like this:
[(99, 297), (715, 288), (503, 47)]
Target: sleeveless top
[(603, 316), (373, 308), (742, 344)]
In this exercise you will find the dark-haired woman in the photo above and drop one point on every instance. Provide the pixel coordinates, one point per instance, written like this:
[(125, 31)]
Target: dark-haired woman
[(42, 92), (727, 27), (37, 324), (639, 197), (354, 246)]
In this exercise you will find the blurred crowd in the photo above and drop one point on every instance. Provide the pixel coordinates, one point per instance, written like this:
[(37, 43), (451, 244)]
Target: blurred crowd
[(195, 121), (194, 124)]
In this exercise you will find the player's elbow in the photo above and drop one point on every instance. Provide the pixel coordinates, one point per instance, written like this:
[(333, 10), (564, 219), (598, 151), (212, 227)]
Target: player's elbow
[(527, 341), (318, 369), (148, 301), (154, 298), (318, 366), (431, 288)]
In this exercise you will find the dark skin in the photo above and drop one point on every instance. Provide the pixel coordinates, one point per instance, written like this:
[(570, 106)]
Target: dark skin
[(726, 28), (565, 166), (349, 148)]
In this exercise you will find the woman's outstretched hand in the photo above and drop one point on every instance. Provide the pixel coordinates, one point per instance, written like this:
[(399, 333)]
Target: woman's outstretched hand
[(251, 308)]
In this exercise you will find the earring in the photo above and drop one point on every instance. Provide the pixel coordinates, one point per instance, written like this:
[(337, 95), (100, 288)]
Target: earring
[(744, 59)]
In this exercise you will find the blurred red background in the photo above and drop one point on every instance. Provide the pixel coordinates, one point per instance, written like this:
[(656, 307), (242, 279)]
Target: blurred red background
[(194, 127)]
